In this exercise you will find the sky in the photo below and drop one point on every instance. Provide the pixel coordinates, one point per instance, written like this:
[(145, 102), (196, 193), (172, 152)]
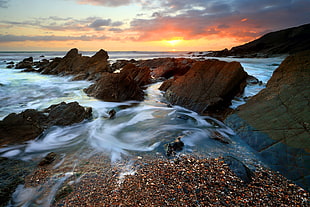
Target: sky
[(146, 25)]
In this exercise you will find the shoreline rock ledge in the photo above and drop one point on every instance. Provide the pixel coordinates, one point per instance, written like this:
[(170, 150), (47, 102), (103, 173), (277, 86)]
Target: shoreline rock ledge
[(208, 87), (276, 122)]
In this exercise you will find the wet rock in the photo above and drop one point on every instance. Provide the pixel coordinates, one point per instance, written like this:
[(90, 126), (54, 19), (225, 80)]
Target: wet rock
[(173, 147), (48, 159), (207, 87), (26, 63), (275, 122), (253, 81), (64, 114), (12, 173), (219, 137), (116, 87), (22, 127), (141, 75), (18, 128), (239, 168), (112, 114)]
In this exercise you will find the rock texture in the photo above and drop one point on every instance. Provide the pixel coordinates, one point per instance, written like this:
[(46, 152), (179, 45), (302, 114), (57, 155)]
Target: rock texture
[(288, 41), (17, 128), (276, 122), (208, 86)]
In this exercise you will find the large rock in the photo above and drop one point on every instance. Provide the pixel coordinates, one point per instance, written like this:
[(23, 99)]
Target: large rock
[(141, 75), (276, 122), (18, 128), (116, 87), (208, 86)]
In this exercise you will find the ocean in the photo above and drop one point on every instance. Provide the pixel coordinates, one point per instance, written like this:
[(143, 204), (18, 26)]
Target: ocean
[(139, 127)]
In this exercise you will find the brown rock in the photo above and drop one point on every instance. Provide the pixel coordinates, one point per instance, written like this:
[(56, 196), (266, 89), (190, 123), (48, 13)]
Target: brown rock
[(208, 86), (141, 75), (115, 87)]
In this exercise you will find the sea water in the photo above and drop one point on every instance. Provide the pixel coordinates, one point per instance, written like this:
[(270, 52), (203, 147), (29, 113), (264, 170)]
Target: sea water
[(139, 127)]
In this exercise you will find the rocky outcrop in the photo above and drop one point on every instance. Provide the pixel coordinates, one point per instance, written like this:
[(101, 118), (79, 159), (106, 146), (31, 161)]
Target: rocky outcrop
[(18, 128), (74, 63), (288, 41), (276, 122), (26, 63), (208, 86)]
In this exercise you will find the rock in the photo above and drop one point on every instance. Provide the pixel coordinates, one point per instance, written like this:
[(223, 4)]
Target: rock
[(207, 87), (219, 137), (141, 75), (112, 114), (26, 63), (48, 159), (174, 147), (251, 80), (239, 168), (64, 114), (18, 128), (74, 63), (167, 67), (12, 174), (116, 87), (275, 122)]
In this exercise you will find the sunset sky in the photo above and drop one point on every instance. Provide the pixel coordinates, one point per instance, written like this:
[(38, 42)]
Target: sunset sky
[(147, 25)]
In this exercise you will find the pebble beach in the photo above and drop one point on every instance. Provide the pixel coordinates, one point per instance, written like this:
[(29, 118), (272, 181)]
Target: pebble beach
[(181, 181)]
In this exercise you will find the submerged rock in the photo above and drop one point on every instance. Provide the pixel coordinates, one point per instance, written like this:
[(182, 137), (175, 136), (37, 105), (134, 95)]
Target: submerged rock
[(48, 159), (207, 87), (275, 122), (173, 147)]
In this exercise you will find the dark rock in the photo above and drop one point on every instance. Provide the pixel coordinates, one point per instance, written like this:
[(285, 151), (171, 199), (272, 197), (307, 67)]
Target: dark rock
[(167, 67), (48, 159), (275, 122), (174, 147), (26, 63), (10, 63), (74, 63), (12, 174), (219, 137), (30, 59), (64, 114), (239, 168), (141, 75), (17, 128), (116, 87), (207, 87), (10, 66), (253, 81), (112, 114)]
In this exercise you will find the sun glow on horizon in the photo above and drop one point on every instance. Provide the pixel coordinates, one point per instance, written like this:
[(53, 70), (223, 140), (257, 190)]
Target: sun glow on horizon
[(174, 42)]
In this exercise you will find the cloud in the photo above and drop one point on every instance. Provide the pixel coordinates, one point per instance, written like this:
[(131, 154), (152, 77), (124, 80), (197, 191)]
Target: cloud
[(208, 19), (107, 3), (53, 23), (4, 3), (16, 38)]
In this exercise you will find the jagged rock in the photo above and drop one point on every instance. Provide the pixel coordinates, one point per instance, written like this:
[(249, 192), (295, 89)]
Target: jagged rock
[(64, 114), (208, 86), (115, 87), (26, 63), (141, 75), (275, 122), (74, 63), (173, 147), (17, 128), (239, 168)]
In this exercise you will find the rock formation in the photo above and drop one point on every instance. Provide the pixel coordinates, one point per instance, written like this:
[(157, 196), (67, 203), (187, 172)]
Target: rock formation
[(74, 63), (276, 122), (207, 87), (18, 128)]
